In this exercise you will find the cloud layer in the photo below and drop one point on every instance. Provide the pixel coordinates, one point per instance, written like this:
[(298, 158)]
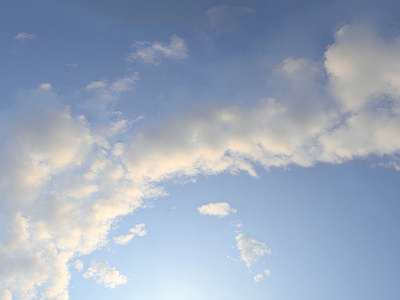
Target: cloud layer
[(67, 176)]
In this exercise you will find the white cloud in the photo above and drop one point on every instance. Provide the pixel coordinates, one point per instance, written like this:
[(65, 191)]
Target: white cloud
[(138, 230), (105, 92), (23, 36), (72, 65), (96, 85), (220, 209), (258, 277), (362, 66), (250, 249), (61, 191), (297, 67), (5, 295), (227, 139), (364, 78), (78, 265), (101, 271), (154, 53), (236, 224), (45, 86), (66, 180)]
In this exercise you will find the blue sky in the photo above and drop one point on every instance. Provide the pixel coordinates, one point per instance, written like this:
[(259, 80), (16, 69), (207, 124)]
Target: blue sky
[(199, 150)]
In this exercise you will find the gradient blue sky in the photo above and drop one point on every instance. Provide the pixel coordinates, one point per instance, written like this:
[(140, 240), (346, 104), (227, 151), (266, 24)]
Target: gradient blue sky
[(166, 124)]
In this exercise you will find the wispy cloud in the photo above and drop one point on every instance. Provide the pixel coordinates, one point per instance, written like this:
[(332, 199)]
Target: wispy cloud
[(138, 230), (72, 65), (250, 249), (104, 274), (154, 53), (258, 277), (23, 37), (78, 265), (45, 86)]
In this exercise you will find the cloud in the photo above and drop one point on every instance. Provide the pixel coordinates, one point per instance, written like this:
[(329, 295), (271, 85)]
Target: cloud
[(250, 249), (236, 224), (227, 19), (154, 53), (138, 230), (5, 295), (23, 36), (72, 65), (220, 209), (45, 86), (304, 128), (101, 271), (232, 139), (66, 177), (106, 91), (258, 277), (364, 81), (362, 67), (96, 85), (78, 265), (100, 95), (114, 89), (61, 189)]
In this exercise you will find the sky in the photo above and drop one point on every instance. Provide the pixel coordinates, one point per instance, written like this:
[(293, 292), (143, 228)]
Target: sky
[(190, 150)]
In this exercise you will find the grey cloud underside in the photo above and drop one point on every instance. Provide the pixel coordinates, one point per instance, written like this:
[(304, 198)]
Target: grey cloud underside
[(65, 180)]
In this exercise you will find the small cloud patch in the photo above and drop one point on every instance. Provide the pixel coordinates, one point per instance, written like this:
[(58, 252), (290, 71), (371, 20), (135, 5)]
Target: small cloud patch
[(220, 209)]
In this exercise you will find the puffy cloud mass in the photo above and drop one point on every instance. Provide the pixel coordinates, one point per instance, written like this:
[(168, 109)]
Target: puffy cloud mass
[(61, 190), (220, 209), (68, 173)]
